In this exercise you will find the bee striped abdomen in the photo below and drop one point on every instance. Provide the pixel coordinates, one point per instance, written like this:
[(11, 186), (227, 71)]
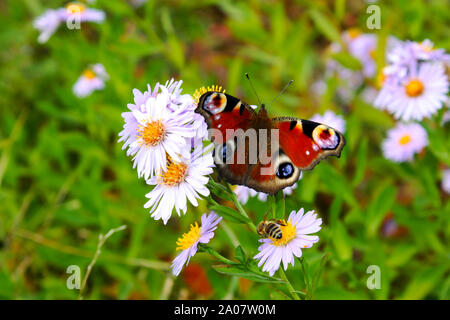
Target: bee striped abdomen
[(273, 230)]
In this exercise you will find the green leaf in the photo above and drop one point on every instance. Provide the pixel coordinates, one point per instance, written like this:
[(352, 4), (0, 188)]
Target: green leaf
[(317, 274), (341, 242), (219, 190), (422, 283), (361, 162), (378, 208), (240, 254), (243, 272), (229, 214), (305, 269), (325, 25), (347, 60)]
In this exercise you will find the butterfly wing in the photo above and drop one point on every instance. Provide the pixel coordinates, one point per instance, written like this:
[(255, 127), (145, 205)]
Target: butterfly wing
[(307, 142), (225, 114), (302, 144)]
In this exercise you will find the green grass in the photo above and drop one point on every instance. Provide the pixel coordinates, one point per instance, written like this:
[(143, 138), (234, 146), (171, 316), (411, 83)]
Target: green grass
[(64, 178)]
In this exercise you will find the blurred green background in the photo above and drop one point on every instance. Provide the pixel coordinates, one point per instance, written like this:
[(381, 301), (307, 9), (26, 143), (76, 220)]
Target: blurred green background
[(64, 178)]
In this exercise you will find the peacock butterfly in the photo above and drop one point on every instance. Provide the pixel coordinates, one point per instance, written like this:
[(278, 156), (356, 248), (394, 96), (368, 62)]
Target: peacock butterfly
[(266, 154)]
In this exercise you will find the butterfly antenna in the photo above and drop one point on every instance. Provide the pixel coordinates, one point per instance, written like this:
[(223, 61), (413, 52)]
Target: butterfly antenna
[(253, 88), (282, 91)]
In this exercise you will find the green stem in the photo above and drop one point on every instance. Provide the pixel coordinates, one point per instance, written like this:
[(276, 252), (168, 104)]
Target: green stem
[(289, 286), (214, 253), (240, 208), (273, 202)]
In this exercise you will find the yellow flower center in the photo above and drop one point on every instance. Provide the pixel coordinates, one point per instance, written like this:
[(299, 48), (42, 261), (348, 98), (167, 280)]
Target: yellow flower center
[(426, 48), (75, 7), (353, 33), (189, 238), (199, 92), (414, 88), (175, 173), (152, 132), (381, 78), (89, 74), (288, 232), (405, 139)]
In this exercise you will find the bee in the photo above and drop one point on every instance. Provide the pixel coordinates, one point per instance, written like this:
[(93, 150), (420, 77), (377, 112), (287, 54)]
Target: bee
[(271, 228)]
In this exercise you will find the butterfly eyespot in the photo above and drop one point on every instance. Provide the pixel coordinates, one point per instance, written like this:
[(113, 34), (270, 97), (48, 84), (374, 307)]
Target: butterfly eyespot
[(285, 170), (215, 103), (325, 137), (223, 153)]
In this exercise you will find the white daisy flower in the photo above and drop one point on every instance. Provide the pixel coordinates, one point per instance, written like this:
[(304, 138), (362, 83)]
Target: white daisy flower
[(425, 51), (330, 119), (296, 236), (159, 125), (404, 141), (189, 241), (180, 181), (446, 181), (76, 11), (419, 95), (92, 79), (445, 118), (47, 23), (131, 126), (243, 193)]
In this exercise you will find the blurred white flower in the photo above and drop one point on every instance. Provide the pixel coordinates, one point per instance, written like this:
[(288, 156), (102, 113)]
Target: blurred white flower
[(362, 46), (50, 20), (92, 79), (243, 193), (296, 236), (47, 23), (77, 10), (446, 181), (403, 141), (330, 119)]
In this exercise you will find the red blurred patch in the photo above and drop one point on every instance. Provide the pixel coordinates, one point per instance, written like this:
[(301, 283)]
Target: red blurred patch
[(244, 285), (196, 279)]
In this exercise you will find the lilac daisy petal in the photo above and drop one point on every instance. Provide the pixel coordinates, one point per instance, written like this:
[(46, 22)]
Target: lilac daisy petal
[(189, 241)]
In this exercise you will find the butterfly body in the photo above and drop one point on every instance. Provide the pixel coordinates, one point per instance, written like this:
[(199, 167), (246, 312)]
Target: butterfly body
[(263, 153)]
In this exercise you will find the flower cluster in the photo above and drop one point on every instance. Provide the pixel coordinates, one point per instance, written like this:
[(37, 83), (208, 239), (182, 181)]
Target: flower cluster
[(74, 12), (414, 86), (414, 83), (165, 137)]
